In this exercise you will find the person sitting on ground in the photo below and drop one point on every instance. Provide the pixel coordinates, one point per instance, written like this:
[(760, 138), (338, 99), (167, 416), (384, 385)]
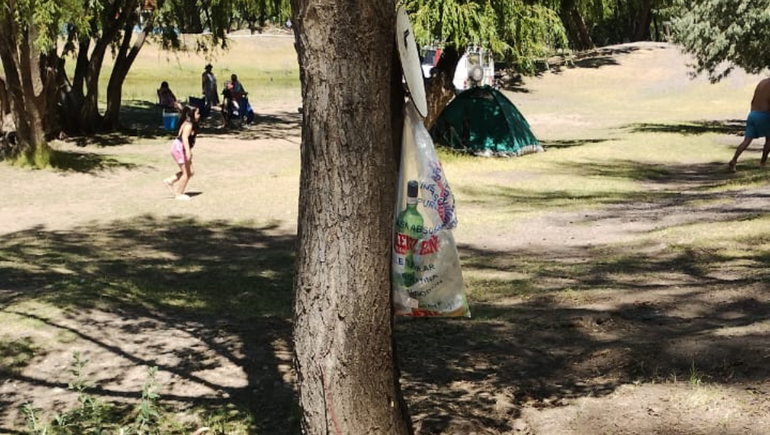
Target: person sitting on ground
[(167, 99), (236, 103), (757, 123), (236, 88)]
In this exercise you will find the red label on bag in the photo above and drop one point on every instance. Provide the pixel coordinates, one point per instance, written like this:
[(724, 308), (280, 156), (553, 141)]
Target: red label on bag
[(403, 243), (429, 246)]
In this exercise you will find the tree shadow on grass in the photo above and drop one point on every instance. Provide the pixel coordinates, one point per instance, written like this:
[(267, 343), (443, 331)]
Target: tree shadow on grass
[(554, 323), (142, 119), (671, 178), (570, 143), (199, 296), (544, 350), (70, 161), (226, 289), (278, 125), (591, 59), (729, 126)]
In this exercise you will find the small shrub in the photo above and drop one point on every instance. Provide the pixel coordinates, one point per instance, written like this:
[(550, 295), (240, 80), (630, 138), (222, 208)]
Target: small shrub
[(95, 417)]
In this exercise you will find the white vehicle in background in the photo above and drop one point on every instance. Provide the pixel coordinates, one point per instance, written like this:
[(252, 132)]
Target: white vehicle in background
[(475, 68), (430, 57)]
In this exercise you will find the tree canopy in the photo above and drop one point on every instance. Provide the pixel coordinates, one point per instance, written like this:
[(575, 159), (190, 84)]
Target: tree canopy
[(37, 38), (724, 34), (522, 32)]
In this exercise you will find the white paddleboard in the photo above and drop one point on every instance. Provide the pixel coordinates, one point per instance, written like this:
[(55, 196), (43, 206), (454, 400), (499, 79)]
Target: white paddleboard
[(410, 61)]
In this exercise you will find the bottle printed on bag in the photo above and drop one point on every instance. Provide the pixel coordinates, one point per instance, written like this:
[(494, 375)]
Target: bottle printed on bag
[(409, 225)]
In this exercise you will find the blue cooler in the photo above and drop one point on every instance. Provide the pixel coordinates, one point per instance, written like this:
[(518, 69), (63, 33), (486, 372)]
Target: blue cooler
[(170, 120)]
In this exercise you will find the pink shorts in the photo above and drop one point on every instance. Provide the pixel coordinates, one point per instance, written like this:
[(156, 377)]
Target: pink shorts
[(177, 151)]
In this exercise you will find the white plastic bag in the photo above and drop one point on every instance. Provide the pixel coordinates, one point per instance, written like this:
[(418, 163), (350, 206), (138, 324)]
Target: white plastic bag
[(427, 279)]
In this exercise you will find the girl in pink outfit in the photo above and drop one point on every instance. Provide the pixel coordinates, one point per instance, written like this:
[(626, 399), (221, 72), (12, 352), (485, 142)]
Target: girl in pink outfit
[(181, 151)]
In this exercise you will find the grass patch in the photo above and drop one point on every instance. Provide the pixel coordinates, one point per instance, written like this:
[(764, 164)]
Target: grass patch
[(15, 354), (180, 265), (269, 71)]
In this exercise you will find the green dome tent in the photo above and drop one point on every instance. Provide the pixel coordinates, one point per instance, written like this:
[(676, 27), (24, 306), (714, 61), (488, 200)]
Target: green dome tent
[(483, 121)]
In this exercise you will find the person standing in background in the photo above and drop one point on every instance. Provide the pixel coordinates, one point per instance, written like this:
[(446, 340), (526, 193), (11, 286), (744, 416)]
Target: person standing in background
[(209, 86)]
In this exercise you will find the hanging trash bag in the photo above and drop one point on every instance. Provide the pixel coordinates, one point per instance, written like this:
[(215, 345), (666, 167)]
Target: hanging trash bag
[(427, 279)]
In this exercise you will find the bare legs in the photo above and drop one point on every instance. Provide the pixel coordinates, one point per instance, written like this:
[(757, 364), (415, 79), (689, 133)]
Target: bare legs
[(186, 169), (171, 180), (765, 152), (741, 148), (178, 182)]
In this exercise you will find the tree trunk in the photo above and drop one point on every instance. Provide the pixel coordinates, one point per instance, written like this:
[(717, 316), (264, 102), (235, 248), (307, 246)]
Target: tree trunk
[(582, 31), (90, 118), (124, 59), (83, 96), (5, 102), (343, 326), (25, 86), (440, 90), (642, 31)]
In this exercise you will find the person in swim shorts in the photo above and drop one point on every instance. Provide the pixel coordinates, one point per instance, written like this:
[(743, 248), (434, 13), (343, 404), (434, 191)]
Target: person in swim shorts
[(757, 123), (181, 152)]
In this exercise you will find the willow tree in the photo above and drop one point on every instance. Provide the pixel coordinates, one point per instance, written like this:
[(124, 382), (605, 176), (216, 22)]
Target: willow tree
[(37, 37), (343, 330), (28, 34), (257, 14), (515, 31), (121, 28), (724, 34), (530, 32)]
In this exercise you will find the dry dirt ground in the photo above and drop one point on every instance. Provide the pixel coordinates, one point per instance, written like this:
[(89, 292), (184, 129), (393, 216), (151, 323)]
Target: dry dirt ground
[(682, 354)]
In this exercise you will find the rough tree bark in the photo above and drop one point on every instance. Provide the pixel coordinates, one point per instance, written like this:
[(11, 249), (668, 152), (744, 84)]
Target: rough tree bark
[(348, 380), (440, 90), (25, 79)]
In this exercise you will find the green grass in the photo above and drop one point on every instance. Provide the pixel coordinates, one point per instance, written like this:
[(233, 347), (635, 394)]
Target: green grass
[(16, 354), (269, 72), (215, 268)]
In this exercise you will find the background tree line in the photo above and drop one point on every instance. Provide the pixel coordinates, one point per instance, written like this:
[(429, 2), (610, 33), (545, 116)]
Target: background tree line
[(39, 98)]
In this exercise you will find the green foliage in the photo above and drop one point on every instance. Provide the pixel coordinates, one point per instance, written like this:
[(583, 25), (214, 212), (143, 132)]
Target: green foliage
[(724, 34), (522, 32), (515, 31), (695, 376), (42, 19), (148, 418), (530, 32), (94, 416), (457, 23)]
